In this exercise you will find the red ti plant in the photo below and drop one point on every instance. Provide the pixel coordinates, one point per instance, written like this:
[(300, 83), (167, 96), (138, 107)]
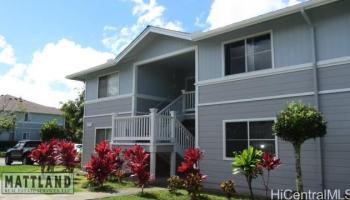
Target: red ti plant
[(68, 155), (41, 155), (190, 167), (138, 162), (268, 162), (102, 164), (46, 155)]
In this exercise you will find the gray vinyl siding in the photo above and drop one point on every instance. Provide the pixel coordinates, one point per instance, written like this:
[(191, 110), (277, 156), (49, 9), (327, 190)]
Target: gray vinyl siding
[(281, 84), (211, 140), (125, 71), (332, 23), (160, 45), (89, 134), (291, 36), (335, 77), (336, 148), (109, 106)]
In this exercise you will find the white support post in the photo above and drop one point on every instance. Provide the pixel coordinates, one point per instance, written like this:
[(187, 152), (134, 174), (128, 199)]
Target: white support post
[(113, 135), (173, 163), (173, 121), (152, 146), (183, 92), (173, 153)]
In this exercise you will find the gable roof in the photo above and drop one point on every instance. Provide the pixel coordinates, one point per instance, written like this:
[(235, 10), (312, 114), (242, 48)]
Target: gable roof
[(148, 30), (11, 103), (203, 35)]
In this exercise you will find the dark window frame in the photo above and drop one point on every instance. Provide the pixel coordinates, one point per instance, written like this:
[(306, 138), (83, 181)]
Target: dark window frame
[(229, 71), (249, 139), (106, 76)]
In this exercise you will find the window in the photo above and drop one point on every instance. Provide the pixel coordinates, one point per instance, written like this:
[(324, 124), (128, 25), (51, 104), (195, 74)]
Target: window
[(103, 134), (26, 117), (241, 135), (108, 85), (250, 54), (25, 136)]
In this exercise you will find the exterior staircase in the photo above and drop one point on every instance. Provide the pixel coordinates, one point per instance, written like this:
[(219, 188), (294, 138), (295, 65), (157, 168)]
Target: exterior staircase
[(159, 130)]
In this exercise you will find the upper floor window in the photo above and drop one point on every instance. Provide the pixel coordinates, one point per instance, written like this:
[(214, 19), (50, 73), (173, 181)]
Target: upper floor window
[(26, 117), (248, 55), (241, 135), (108, 85)]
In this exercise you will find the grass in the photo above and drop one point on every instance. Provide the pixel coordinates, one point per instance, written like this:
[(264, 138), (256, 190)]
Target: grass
[(80, 181), (165, 195)]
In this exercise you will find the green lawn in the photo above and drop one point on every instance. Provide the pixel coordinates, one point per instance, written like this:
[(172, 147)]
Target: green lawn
[(165, 195), (80, 182)]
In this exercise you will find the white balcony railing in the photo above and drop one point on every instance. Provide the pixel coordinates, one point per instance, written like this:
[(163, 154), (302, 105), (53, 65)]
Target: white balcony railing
[(184, 103), (153, 128), (189, 100)]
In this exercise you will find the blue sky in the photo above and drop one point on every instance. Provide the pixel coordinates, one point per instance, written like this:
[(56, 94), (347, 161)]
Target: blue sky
[(42, 41)]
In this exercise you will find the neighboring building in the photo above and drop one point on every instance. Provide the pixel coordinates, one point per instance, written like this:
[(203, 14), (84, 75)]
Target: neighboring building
[(244, 74), (29, 118)]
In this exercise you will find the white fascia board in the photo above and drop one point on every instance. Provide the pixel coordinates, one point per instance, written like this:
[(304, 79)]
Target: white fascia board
[(138, 39)]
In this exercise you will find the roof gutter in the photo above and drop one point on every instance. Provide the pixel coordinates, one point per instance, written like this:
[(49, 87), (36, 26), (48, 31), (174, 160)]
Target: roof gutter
[(316, 87)]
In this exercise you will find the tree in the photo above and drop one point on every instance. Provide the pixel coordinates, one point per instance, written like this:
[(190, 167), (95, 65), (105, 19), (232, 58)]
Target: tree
[(50, 130), (73, 111), (297, 123), (246, 162), (7, 121)]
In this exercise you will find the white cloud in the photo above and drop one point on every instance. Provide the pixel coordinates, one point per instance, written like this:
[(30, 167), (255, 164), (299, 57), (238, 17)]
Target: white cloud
[(7, 54), (224, 12), (49, 66), (147, 13)]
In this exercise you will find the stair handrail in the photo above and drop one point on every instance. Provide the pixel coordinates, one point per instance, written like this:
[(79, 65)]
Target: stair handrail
[(183, 137), (166, 110)]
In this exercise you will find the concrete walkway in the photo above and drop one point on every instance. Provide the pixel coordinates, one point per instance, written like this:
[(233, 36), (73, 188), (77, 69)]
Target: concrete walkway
[(75, 196)]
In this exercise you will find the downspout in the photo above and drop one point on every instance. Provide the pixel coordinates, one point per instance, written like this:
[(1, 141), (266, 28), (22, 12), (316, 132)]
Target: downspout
[(316, 88)]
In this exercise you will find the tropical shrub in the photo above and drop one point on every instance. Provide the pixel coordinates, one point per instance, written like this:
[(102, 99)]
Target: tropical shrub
[(228, 187), (174, 183), (297, 123), (138, 162), (51, 130), (246, 163), (193, 178), (268, 163), (102, 164), (46, 155), (40, 155), (69, 157)]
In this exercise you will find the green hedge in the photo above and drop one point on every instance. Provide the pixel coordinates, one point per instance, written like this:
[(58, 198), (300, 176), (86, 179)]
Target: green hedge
[(2, 154), (4, 145)]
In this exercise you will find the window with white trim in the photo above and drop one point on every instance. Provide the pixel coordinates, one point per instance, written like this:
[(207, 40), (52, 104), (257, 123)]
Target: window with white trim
[(103, 134), (241, 135), (108, 85), (25, 136), (250, 54)]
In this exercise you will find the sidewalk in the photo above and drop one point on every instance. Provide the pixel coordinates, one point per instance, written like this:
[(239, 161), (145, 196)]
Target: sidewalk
[(76, 196)]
